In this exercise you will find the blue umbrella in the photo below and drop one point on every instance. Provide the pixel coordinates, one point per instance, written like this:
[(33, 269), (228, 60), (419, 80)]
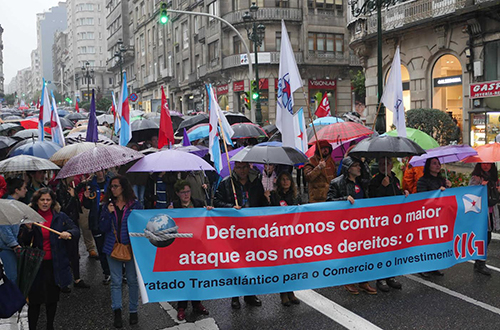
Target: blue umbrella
[(198, 133), (62, 113), (326, 121), (92, 134), (41, 149)]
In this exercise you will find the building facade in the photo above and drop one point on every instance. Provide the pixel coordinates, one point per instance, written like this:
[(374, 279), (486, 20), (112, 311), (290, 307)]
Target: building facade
[(447, 47), (2, 79)]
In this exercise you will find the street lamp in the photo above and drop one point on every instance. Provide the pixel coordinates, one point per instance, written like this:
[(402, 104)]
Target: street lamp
[(88, 74), (256, 33), (367, 7), (119, 57)]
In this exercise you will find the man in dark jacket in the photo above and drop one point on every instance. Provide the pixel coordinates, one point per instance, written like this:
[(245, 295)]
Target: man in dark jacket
[(249, 193), (385, 184), (348, 187)]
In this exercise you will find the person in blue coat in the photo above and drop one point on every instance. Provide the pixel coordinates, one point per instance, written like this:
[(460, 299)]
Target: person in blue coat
[(55, 271), (120, 200)]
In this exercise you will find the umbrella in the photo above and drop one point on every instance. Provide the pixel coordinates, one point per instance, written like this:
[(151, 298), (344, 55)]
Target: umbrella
[(29, 123), (65, 124), (386, 146), (310, 130), (143, 129), (42, 149), (422, 139), (62, 113), (29, 133), (170, 160), (199, 133), (75, 116), (82, 137), (341, 131), (247, 130), (13, 117), (445, 154), (98, 158), (488, 153), (192, 121), (5, 128), (198, 150), (270, 129), (326, 121), (225, 170), (235, 117), (100, 129), (26, 163), (339, 149), (270, 153), (63, 155), (28, 263), (136, 113), (14, 212), (6, 142), (110, 119)]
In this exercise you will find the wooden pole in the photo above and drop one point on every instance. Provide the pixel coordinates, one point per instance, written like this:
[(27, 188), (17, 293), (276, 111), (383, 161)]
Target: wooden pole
[(376, 116), (48, 228), (228, 163)]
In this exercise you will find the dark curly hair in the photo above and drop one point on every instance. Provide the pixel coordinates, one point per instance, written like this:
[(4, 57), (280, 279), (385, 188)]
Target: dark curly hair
[(38, 194), (179, 185), (492, 173), (127, 191)]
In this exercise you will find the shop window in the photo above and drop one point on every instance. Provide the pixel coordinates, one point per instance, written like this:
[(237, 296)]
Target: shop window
[(447, 86), (492, 61), (405, 77)]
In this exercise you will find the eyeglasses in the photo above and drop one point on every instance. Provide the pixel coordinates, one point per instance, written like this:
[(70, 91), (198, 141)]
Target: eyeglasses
[(115, 186), (184, 192), (241, 167)]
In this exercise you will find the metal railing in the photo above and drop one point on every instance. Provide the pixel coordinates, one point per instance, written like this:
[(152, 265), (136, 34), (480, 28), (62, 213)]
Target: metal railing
[(288, 14), (232, 61)]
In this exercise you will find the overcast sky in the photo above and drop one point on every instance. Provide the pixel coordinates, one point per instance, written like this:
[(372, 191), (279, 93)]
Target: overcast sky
[(18, 20)]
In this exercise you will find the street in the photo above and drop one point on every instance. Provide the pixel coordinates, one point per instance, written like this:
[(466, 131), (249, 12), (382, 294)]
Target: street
[(462, 299)]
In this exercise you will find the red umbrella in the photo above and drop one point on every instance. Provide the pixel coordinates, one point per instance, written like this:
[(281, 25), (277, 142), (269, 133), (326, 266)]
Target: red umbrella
[(341, 131), (489, 153)]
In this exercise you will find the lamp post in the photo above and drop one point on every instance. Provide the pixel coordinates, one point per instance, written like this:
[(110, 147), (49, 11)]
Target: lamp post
[(366, 8), (256, 34), (88, 73), (119, 57)]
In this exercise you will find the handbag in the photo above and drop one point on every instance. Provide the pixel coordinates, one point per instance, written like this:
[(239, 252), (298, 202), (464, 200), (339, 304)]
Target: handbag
[(121, 252), (11, 298)]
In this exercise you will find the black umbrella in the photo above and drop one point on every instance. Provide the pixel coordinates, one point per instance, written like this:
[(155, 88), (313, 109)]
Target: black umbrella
[(65, 123), (247, 130), (270, 129), (28, 133), (13, 117), (144, 129), (75, 116), (236, 117), (386, 146), (28, 264), (6, 127), (192, 121), (276, 137), (6, 141), (270, 153)]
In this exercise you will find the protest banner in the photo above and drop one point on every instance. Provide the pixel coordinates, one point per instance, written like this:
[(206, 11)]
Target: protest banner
[(280, 249)]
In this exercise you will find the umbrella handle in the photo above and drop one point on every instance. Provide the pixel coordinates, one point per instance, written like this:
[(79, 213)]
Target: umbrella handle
[(48, 228)]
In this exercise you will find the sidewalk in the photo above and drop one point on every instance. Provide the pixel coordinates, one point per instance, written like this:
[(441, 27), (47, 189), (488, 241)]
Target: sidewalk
[(11, 323)]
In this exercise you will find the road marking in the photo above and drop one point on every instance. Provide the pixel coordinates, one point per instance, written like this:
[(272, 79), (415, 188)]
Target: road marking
[(490, 267), (334, 311), (204, 324), (495, 236), (171, 311), (455, 294)]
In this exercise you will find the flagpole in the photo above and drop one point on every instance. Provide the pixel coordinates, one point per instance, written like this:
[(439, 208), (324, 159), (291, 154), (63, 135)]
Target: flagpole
[(314, 128), (376, 116), (228, 163)]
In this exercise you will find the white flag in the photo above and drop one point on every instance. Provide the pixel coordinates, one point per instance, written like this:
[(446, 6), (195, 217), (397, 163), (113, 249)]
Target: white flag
[(299, 126), (393, 95), (55, 124), (289, 81)]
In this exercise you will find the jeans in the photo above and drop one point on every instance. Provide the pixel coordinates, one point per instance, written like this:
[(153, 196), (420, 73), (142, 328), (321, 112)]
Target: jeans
[(9, 260), (139, 192), (116, 284)]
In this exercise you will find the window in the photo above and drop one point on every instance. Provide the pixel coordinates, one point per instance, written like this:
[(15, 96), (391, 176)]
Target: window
[(325, 42), (492, 61), (196, 23), (185, 35), (143, 44), (237, 45), (278, 40), (282, 4), (186, 69), (330, 5), (213, 50), (214, 10)]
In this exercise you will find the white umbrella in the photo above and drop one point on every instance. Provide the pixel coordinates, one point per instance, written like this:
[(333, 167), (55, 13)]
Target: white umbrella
[(24, 163)]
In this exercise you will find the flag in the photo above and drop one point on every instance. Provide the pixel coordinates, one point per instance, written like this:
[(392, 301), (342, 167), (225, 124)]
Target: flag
[(44, 115), (323, 109), (166, 132), (213, 133), (472, 203), (185, 139), (116, 115), (76, 105), (393, 95), (126, 129), (55, 124), (92, 134), (289, 81), (38, 103), (299, 127)]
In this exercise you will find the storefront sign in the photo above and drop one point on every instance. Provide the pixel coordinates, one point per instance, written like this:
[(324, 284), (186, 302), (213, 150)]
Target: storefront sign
[(485, 89), (263, 84), (222, 89), (322, 84), (238, 86), (447, 81)]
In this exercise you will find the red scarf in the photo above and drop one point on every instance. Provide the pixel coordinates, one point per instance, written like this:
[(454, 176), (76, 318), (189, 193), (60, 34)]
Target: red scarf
[(47, 215)]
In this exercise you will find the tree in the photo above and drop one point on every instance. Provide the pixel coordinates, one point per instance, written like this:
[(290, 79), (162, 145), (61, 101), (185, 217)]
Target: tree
[(358, 84), (434, 122), (10, 99), (103, 104)]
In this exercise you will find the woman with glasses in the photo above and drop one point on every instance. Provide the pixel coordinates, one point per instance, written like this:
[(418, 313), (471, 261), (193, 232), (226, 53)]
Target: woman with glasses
[(120, 201)]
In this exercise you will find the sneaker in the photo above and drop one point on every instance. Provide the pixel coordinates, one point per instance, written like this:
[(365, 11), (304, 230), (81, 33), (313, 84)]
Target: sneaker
[(382, 286), (365, 286), (393, 283), (81, 284), (107, 279), (235, 303)]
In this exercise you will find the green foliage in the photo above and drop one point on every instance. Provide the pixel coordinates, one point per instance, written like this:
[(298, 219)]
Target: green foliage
[(103, 104), (358, 83), (84, 105), (10, 98), (457, 179), (434, 122)]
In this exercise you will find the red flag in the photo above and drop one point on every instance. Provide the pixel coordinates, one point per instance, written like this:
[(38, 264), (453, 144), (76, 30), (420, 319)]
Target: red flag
[(38, 103), (323, 109), (76, 106), (166, 133)]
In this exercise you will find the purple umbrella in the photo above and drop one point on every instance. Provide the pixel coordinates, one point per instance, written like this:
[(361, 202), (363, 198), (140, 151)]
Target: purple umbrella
[(92, 124), (445, 154), (170, 160), (197, 150)]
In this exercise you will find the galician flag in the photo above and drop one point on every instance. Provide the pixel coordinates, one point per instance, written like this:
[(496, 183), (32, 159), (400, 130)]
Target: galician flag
[(213, 132), (44, 115), (126, 129), (116, 115), (323, 109), (289, 81), (393, 95), (299, 126), (55, 125)]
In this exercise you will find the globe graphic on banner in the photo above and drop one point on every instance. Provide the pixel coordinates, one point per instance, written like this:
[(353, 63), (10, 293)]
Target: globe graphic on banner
[(159, 223)]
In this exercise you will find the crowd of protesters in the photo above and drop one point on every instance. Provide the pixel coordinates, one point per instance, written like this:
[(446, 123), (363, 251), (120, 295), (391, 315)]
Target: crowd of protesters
[(97, 205)]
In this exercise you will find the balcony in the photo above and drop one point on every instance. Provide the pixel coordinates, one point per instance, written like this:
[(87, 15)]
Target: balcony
[(193, 78), (165, 74), (148, 80), (232, 61), (268, 14)]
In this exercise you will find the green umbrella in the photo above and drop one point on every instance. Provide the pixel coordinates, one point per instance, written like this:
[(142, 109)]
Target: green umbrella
[(424, 140)]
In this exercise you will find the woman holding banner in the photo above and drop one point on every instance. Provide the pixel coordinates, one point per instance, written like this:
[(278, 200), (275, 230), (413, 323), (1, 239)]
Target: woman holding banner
[(486, 174), (121, 201), (285, 194)]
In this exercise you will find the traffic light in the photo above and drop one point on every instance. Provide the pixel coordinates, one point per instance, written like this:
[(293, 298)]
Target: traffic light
[(163, 13), (255, 90), (246, 100)]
